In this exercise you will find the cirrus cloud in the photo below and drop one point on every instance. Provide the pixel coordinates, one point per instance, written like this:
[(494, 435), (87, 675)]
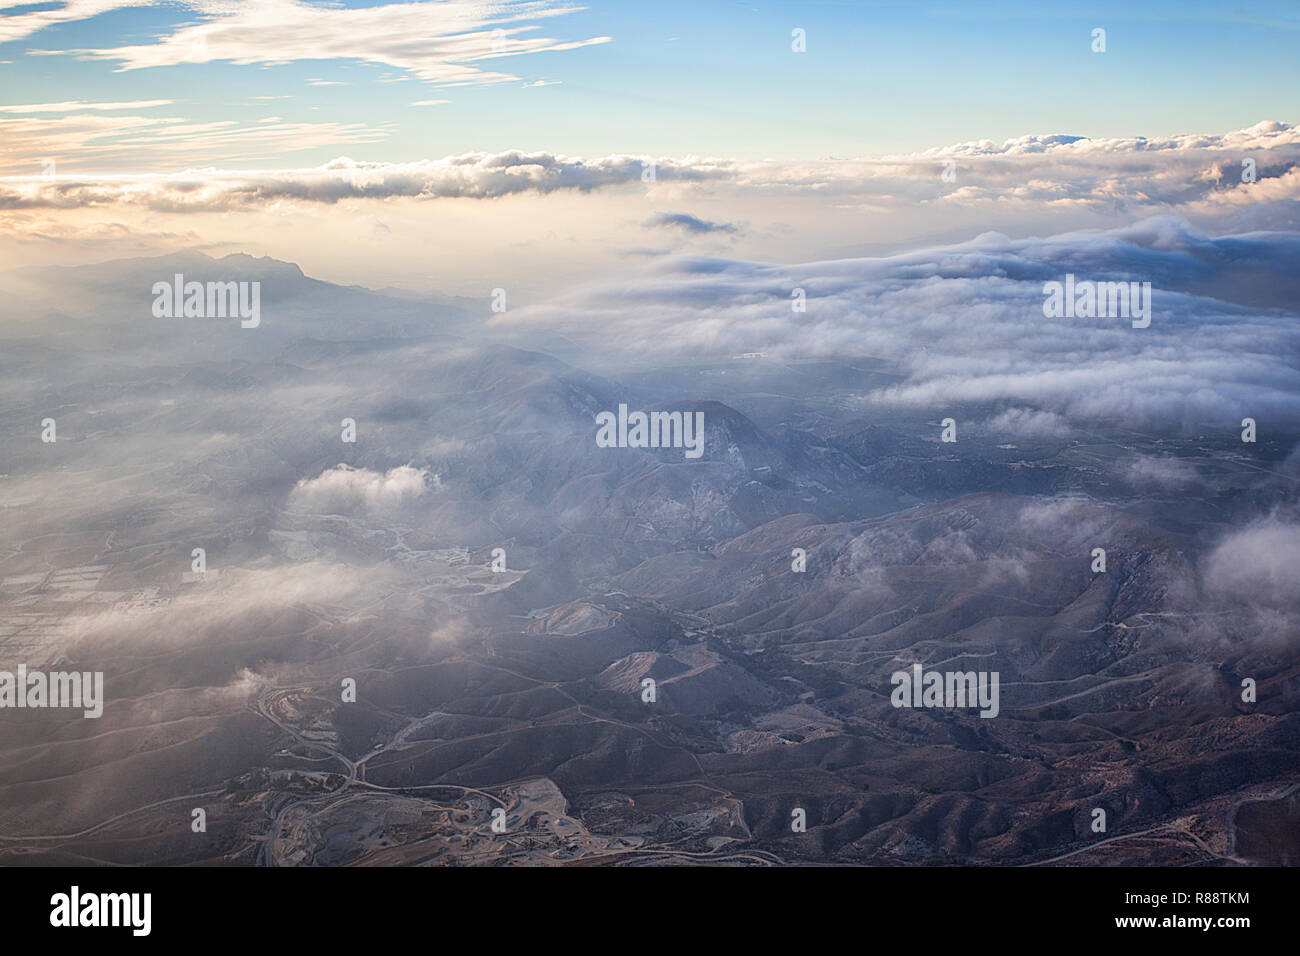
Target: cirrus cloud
[(439, 42)]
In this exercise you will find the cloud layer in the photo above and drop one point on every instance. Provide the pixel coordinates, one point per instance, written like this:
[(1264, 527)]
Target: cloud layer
[(1194, 176), (468, 176), (963, 325)]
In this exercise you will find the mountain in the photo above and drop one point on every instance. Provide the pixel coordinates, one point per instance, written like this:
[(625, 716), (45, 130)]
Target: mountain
[(500, 587)]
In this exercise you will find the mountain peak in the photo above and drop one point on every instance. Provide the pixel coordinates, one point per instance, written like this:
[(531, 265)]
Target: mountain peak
[(262, 265)]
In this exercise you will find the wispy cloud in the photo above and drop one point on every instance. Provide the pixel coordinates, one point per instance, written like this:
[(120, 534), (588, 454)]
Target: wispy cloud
[(77, 106), (26, 21), (96, 140), (439, 42)]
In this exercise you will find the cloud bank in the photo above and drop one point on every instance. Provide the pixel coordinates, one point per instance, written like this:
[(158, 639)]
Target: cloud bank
[(468, 176), (1198, 176), (964, 324)]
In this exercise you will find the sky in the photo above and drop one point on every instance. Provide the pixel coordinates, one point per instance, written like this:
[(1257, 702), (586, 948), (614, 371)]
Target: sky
[(116, 114), (838, 220)]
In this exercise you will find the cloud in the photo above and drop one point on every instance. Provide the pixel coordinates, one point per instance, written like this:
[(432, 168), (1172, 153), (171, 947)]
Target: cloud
[(1258, 136), (1257, 565), (343, 489), (77, 139), (791, 211), (17, 25), (439, 42), (471, 175), (963, 324), (430, 102), (1062, 521), (1150, 472), (226, 605), (1084, 182), (71, 106), (687, 222), (1031, 424)]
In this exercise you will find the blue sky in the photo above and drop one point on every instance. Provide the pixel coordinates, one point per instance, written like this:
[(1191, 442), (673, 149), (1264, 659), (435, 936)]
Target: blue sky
[(714, 79)]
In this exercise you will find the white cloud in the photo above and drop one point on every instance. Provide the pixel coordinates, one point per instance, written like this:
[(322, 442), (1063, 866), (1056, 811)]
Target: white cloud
[(1089, 181), (77, 106), (1260, 136), (16, 26), (439, 42), (472, 175), (791, 211), (79, 140), (342, 489), (226, 605), (1258, 565), (963, 324)]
